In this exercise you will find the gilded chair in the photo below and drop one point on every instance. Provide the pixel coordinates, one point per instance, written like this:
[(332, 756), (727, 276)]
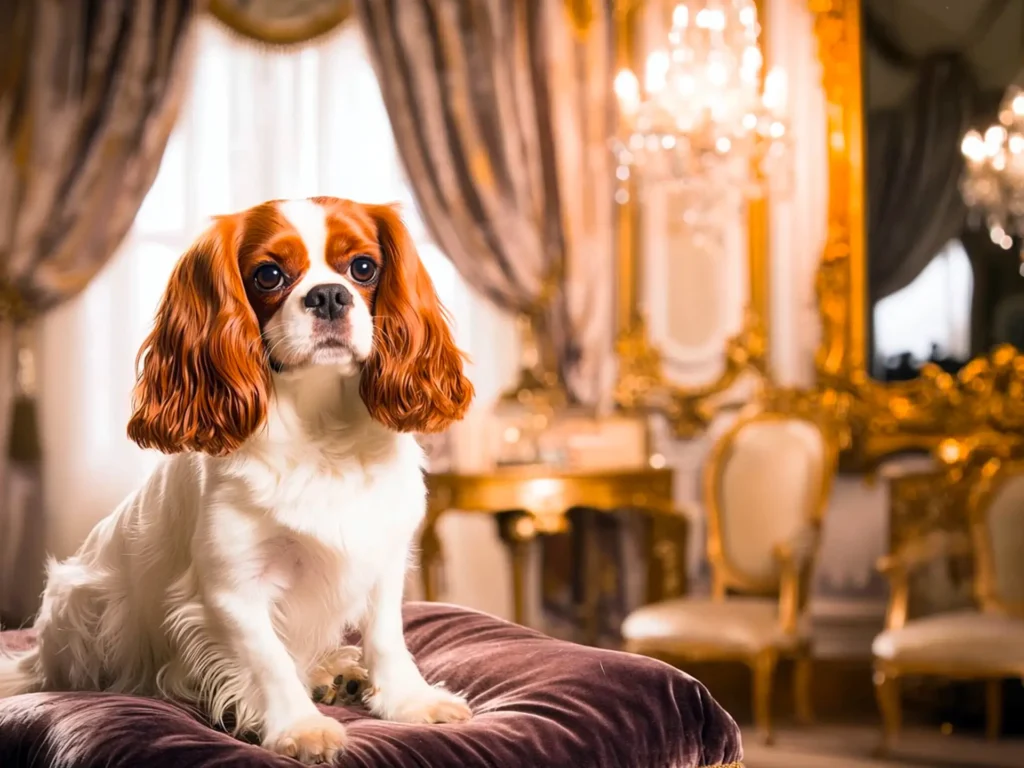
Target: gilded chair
[(985, 642), (767, 484)]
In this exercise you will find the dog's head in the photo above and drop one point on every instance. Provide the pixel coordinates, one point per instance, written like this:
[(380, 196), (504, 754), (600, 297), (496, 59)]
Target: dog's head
[(284, 286)]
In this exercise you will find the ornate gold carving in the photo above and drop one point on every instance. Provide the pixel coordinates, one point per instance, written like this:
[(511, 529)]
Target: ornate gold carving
[(976, 475), (689, 410), (641, 384), (281, 23), (883, 419), (537, 386), (831, 287), (982, 407), (841, 273)]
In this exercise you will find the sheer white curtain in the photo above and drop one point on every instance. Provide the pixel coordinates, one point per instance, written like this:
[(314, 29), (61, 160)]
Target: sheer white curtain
[(259, 125), (935, 309)]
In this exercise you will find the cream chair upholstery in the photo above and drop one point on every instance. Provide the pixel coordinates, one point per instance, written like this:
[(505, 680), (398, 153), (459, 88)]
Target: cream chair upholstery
[(766, 487), (986, 643)]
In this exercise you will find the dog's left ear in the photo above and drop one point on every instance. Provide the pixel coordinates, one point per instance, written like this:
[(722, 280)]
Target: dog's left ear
[(203, 380), (414, 379)]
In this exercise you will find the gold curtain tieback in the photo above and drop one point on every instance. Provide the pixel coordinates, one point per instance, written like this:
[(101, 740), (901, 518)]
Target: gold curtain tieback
[(13, 307)]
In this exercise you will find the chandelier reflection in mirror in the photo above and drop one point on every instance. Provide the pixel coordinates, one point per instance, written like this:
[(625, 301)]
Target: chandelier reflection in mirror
[(993, 182), (702, 118)]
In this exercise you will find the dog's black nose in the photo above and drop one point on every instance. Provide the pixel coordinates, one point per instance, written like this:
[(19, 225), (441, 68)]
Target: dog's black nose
[(328, 301)]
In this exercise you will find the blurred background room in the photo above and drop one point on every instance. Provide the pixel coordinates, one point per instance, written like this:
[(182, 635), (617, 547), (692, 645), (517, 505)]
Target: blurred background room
[(740, 281)]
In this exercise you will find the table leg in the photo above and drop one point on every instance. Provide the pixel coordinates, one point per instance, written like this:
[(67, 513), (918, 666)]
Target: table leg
[(666, 575), (518, 531), (592, 582), (430, 560), (520, 574)]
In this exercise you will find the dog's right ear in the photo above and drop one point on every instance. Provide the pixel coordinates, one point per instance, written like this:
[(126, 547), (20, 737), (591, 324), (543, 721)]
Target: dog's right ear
[(414, 381), (204, 382)]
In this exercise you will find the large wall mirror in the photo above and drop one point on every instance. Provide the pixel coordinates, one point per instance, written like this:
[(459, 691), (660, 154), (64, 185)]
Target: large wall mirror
[(940, 289), (921, 299), (693, 270)]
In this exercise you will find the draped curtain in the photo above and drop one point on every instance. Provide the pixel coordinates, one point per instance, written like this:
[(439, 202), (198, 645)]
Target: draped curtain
[(914, 163), (502, 110), (88, 96), (914, 169)]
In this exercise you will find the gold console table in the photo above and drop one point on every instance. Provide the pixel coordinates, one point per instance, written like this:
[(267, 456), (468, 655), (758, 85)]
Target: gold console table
[(533, 501)]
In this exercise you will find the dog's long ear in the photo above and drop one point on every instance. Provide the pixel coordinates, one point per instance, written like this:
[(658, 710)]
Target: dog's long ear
[(414, 380), (204, 382)]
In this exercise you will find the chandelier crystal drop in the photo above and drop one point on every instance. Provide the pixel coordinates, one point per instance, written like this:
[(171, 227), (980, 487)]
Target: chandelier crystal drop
[(992, 185), (703, 118)]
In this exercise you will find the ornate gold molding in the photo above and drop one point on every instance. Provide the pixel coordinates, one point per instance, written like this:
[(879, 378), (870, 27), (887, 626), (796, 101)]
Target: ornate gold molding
[(841, 273), (976, 470), (641, 383), (689, 410), (883, 419), (283, 23)]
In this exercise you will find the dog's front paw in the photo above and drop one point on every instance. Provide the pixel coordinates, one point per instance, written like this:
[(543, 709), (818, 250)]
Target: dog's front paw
[(341, 679), (428, 705), (312, 739)]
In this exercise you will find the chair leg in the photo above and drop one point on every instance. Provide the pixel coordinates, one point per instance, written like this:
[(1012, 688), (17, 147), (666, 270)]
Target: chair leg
[(803, 697), (887, 693), (763, 667), (993, 709)]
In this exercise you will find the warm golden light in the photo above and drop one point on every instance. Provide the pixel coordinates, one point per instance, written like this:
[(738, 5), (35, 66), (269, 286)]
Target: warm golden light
[(703, 103), (992, 185), (656, 74), (775, 91), (973, 147), (627, 90)]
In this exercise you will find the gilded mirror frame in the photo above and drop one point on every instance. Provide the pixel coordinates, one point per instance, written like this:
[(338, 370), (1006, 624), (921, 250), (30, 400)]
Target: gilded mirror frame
[(882, 419), (642, 384)]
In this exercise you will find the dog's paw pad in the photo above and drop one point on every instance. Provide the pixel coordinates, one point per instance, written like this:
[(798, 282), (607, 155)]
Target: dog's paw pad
[(348, 687), (340, 680)]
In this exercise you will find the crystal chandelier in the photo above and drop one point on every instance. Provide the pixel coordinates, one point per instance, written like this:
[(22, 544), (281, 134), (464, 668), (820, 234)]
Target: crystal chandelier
[(702, 119), (993, 181)]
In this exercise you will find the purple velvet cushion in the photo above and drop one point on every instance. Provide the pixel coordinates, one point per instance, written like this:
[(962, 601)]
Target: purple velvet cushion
[(537, 703)]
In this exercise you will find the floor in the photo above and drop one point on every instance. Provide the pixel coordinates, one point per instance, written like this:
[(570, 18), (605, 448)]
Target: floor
[(851, 747)]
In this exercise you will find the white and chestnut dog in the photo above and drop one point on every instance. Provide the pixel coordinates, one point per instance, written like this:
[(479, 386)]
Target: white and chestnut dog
[(297, 347)]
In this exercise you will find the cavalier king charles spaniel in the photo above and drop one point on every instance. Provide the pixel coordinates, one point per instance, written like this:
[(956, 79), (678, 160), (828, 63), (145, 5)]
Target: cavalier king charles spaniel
[(296, 349)]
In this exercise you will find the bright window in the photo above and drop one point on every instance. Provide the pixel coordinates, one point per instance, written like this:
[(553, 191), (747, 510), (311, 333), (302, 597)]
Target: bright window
[(257, 125), (935, 309), (263, 125)]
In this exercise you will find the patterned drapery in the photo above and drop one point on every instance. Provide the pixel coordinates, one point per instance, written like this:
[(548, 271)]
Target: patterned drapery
[(502, 111), (89, 92)]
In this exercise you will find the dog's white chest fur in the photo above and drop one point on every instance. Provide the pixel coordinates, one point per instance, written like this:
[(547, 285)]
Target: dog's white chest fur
[(335, 504)]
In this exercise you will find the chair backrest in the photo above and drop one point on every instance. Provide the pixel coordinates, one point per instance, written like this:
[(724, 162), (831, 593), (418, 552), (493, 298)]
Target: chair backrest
[(996, 511), (767, 482)]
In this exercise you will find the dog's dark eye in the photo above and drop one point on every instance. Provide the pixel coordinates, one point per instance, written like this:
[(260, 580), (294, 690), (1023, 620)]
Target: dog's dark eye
[(269, 277), (362, 269)]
